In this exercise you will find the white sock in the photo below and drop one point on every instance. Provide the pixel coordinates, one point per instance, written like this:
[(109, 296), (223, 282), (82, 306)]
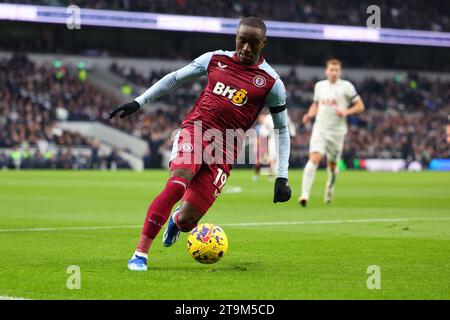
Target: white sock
[(140, 254), (308, 178), (331, 177)]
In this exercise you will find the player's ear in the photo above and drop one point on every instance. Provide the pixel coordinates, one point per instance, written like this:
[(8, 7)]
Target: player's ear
[(264, 42)]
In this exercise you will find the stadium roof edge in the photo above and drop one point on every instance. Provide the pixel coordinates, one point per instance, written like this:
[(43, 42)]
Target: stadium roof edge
[(72, 17)]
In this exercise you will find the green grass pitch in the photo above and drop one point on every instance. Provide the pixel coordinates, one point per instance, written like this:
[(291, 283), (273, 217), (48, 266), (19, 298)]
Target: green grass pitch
[(397, 221)]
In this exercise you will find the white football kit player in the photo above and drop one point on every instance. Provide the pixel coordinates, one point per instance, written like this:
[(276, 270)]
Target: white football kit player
[(331, 100), (328, 134)]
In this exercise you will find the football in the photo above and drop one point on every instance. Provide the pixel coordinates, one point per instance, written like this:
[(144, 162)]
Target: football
[(207, 243)]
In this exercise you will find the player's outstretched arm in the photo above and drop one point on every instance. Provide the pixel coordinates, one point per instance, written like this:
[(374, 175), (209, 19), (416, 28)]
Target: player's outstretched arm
[(276, 100), (165, 85), (282, 191)]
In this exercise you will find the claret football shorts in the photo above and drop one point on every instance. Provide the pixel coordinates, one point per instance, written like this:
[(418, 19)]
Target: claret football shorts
[(209, 178)]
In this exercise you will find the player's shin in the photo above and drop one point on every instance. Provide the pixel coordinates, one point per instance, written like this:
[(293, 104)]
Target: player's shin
[(308, 178), (329, 187), (332, 173), (159, 211)]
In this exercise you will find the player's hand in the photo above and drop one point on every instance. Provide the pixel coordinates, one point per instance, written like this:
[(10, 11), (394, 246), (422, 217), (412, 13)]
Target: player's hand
[(306, 118), (127, 108), (341, 113), (282, 191)]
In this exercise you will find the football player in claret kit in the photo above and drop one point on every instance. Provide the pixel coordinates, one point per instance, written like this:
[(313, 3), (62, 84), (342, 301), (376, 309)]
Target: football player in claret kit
[(334, 100), (240, 84)]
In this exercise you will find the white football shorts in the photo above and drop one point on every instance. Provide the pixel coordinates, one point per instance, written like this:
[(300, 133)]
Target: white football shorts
[(327, 143)]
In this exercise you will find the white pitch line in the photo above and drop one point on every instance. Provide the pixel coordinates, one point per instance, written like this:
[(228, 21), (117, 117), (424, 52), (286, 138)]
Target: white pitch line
[(282, 223), (244, 224)]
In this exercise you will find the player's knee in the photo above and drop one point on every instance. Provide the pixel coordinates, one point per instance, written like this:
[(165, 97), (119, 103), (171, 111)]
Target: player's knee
[(315, 158), (187, 217), (332, 165)]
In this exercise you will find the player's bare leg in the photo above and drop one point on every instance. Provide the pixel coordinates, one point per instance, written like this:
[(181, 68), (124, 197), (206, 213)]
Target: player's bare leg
[(309, 174), (187, 217), (329, 187), (157, 215), (184, 219), (257, 171)]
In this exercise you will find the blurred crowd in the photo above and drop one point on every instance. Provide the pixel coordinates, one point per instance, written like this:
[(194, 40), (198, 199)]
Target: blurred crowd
[(65, 158), (420, 15), (406, 117), (32, 98)]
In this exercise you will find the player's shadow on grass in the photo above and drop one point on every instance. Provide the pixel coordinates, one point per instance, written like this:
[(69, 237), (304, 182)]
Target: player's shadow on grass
[(219, 267)]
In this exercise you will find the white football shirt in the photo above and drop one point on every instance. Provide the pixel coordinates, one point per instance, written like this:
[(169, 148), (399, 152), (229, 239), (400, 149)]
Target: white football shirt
[(329, 97)]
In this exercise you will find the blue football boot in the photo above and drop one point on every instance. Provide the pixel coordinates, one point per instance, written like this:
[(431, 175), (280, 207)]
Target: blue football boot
[(172, 233), (137, 262)]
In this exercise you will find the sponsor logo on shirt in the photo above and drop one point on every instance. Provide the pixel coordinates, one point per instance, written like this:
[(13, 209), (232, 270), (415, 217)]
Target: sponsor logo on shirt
[(222, 66), (237, 97), (328, 103)]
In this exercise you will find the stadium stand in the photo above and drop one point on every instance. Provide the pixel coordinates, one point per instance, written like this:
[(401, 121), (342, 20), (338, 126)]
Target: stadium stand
[(394, 13), (30, 103), (405, 117), (388, 129)]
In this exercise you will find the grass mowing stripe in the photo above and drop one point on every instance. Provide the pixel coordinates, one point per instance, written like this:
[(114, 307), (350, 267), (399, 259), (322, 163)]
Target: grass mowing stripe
[(244, 224)]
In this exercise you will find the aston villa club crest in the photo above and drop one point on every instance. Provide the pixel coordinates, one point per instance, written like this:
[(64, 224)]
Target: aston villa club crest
[(259, 81), (186, 147)]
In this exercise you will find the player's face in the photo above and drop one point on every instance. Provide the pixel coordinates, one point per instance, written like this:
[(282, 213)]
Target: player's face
[(249, 43), (333, 72)]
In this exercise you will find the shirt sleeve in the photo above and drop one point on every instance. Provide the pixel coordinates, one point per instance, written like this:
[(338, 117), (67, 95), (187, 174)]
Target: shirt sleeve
[(176, 79), (351, 93), (316, 93), (277, 95), (283, 142), (201, 63)]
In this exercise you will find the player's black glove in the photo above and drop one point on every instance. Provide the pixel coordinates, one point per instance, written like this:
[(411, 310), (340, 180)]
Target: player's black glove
[(127, 108), (282, 191)]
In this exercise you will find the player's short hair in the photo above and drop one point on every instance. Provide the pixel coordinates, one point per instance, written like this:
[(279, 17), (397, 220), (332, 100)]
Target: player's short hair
[(255, 22), (333, 61)]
